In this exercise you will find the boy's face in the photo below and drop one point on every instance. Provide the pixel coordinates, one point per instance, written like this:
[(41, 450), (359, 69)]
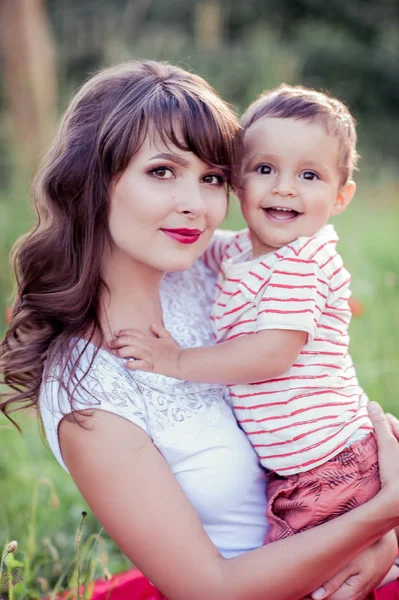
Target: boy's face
[(290, 181)]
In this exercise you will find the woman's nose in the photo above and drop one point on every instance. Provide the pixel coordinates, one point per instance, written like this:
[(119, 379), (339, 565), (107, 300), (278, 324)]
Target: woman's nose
[(192, 202)]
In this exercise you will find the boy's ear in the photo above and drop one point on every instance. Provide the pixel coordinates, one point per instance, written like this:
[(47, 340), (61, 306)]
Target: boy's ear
[(344, 197)]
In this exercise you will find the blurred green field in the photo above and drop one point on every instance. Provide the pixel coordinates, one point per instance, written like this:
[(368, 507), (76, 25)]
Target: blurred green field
[(369, 246)]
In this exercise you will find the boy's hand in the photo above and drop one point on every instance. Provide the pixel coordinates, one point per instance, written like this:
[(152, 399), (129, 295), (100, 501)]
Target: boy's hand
[(158, 352)]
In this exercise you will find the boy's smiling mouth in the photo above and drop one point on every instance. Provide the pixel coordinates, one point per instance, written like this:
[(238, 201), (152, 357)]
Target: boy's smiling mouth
[(281, 214)]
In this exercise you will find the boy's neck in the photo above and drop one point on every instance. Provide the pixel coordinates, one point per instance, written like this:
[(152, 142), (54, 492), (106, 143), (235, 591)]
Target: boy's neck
[(261, 249)]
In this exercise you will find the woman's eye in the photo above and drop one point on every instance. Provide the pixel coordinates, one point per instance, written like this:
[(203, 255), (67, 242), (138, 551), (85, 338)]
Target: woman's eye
[(162, 173), (213, 179), (264, 169), (309, 175)]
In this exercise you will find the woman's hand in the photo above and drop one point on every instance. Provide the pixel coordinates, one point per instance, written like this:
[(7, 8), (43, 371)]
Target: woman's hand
[(362, 574), (158, 352), (367, 570), (393, 423), (387, 432)]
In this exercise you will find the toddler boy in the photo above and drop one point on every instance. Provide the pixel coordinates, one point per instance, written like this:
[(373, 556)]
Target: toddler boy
[(281, 314)]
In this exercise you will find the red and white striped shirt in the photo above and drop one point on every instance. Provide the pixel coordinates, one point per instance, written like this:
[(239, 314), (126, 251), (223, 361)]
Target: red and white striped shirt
[(306, 416)]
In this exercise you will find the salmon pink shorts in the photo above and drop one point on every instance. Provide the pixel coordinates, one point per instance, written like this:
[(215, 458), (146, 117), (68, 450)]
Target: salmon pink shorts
[(305, 500)]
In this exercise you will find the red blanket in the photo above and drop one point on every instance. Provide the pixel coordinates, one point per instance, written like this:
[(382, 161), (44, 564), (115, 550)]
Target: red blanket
[(132, 585)]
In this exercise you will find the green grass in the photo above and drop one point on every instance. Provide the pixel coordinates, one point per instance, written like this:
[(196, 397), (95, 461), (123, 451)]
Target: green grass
[(28, 470), (41, 508)]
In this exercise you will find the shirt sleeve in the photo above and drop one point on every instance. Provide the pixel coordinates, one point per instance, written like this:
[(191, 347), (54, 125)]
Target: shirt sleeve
[(217, 250), (107, 386), (294, 297)]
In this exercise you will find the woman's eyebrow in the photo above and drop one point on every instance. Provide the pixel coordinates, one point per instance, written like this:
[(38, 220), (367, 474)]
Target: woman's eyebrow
[(171, 157)]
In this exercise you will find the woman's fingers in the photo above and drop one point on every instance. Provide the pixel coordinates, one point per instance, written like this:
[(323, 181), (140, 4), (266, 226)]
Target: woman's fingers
[(333, 584), (385, 436), (394, 424), (388, 455)]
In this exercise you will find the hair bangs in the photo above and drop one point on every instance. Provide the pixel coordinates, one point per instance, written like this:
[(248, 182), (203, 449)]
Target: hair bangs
[(195, 125)]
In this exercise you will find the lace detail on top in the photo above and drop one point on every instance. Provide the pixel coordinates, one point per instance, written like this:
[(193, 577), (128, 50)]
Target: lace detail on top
[(156, 402)]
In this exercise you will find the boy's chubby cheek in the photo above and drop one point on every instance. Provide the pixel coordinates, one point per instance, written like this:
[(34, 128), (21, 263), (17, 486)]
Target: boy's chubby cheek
[(239, 187), (246, 186)]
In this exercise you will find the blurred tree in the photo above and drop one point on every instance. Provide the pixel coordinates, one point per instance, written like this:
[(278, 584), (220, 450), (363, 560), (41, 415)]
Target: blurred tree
[(30, 79), (208, 24), (242, 47)]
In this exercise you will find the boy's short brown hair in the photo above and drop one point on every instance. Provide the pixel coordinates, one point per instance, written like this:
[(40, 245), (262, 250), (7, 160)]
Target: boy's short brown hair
[(297, 102)]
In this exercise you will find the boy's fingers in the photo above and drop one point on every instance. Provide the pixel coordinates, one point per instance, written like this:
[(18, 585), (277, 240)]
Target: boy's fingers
[(126, 340), (135, 351), (159, 331), (139, 365), (122, 332)]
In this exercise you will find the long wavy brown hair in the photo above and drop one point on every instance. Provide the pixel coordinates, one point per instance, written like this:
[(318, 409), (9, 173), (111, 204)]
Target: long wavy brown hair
[(57, 264)]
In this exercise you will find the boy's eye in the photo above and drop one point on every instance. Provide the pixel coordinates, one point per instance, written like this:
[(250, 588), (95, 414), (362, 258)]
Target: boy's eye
[(213, 179), (162, 173), (264, 169), (309, 175)]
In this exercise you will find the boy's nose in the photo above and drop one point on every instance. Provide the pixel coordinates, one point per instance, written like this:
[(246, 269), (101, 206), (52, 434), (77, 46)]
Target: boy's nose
[(284, 187)]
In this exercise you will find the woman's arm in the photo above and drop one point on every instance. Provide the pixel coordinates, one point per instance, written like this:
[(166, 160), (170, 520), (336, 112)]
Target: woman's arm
[(136, 497)]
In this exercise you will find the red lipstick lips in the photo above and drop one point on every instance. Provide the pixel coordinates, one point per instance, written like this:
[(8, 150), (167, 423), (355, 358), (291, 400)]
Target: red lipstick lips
[(183, 235)]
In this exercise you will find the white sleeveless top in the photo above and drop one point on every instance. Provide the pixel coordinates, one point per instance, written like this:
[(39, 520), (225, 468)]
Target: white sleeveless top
[(192, 424)]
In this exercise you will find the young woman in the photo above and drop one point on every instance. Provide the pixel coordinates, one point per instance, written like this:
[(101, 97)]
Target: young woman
[(127, 200)]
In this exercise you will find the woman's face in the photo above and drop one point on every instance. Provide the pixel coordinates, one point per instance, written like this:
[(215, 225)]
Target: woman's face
[(165, 207)]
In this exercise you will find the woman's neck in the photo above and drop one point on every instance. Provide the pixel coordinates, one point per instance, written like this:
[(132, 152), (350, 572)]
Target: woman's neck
[(132, 299)]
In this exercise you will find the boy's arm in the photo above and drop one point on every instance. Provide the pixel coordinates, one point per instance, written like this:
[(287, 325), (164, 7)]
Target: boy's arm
[(246, 359), (289, 307)]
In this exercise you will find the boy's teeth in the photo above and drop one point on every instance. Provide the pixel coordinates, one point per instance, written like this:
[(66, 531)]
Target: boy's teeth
[(281, 213)]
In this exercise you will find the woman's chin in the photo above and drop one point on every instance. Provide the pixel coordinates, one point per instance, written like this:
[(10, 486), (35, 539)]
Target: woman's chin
[(180, 264), (181, 261)]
